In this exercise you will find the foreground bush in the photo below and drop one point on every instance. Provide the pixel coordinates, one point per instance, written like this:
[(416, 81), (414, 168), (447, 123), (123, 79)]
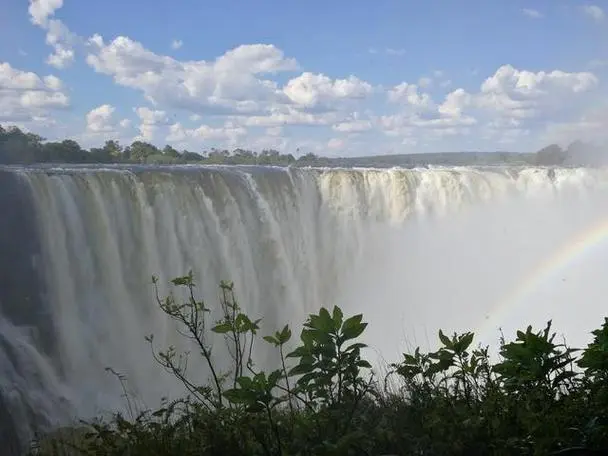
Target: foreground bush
[(541, 397)]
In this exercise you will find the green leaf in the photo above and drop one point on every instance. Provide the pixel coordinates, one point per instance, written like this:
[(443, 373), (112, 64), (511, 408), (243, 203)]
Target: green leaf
[(181, 281), (245, 382), (271, 340), (301, 369), (463, 343), (445, 340), (322, 322), (237, 396), (356, 346), (307, 337), (285, 335), (273, 378), (299, 352), (353, 328), (222, 328), (338, 317)]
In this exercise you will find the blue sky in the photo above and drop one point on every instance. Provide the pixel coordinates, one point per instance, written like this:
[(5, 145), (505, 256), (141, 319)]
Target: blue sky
[(335, 78)]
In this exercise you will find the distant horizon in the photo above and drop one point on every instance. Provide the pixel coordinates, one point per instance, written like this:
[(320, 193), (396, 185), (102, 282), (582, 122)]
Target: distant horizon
[(336, 79)]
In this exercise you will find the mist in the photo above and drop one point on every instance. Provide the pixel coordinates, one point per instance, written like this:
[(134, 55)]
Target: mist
[(465, 271)]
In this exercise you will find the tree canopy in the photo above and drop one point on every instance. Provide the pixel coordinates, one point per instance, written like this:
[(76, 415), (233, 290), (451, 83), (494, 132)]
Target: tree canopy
[(19, 147)]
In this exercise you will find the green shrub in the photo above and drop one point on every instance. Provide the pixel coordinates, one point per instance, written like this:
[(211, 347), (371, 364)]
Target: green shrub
[(323, 399)]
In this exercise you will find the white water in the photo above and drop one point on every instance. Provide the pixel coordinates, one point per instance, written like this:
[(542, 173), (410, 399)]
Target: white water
[(414, 250)]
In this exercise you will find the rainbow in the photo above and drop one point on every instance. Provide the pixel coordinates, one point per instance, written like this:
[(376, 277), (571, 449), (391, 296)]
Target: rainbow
[(544, 272)]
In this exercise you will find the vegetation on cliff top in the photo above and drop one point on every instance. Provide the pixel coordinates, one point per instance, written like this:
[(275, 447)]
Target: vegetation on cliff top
[(18, 147), (540, 397)]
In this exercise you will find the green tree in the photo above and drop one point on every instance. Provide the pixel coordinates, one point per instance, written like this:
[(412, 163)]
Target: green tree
[(140, 151), (169, 151), (113, 150)]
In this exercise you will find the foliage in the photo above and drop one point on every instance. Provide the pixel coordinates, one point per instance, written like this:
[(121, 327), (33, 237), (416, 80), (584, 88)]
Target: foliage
[(18, 147), (537, 398)]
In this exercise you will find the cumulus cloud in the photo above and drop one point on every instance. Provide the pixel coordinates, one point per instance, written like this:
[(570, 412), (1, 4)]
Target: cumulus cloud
[(41, 10), (289, 115), (505, 103), (409, 94), (520, 93), (100, 119), (228, 133), (151, 120), (310, 89), (58, 35), (25, 96), (353, 124), (176, 44), (232, 83), (594, 12)]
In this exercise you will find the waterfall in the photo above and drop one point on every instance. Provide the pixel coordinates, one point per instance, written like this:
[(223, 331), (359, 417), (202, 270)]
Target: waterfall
[(79, 246)]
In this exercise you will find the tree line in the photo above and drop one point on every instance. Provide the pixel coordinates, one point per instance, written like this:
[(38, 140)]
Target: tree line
[(22, 148), (19, 147)]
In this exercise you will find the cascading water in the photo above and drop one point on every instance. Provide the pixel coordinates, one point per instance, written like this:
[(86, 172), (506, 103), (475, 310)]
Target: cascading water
[(414, 250)]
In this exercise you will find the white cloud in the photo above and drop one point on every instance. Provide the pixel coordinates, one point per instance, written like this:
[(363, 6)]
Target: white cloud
[(229, 133), (231, 83), (353, 124), (101, 124), (41, 10), (594, 12), (288, 115), (61, 57), (520, 93), (57, 34), (506, 104), (25, 96), (532, 13), (455, 102), (151, 120), (100, 119), (176, 44), (310, 89), (150, 116), (405, 93)]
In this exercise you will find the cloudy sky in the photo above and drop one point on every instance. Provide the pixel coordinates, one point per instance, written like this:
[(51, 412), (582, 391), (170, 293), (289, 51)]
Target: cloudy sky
[(332, 77)]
